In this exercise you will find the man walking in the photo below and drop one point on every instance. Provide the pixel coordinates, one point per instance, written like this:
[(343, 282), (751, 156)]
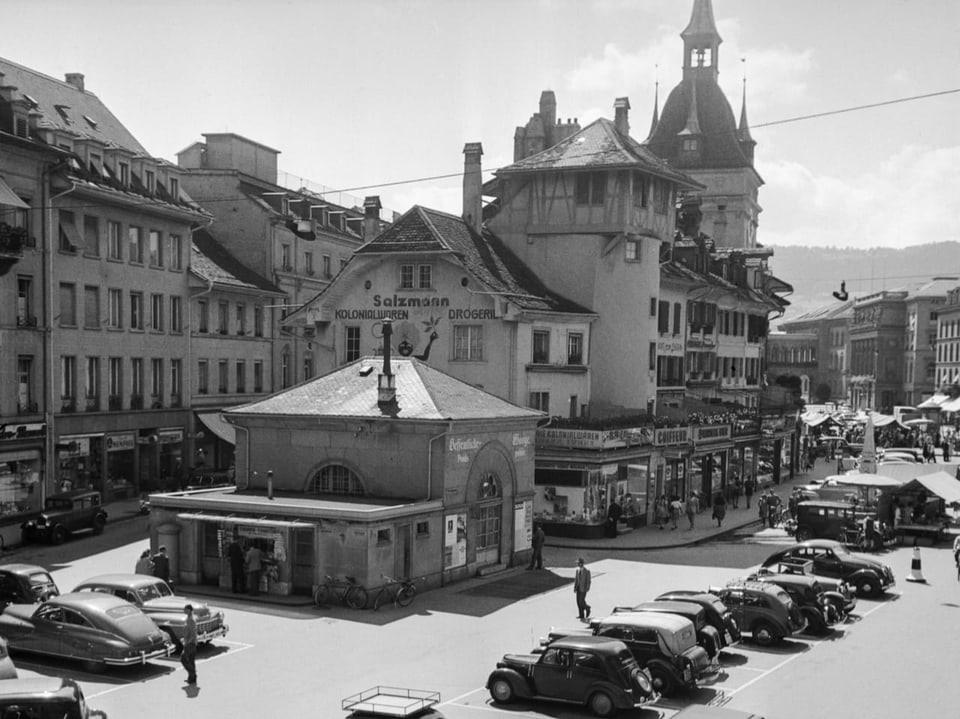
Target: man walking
[(188, 656), (748, 487), (581, 585), (539, 537), (235, 555)]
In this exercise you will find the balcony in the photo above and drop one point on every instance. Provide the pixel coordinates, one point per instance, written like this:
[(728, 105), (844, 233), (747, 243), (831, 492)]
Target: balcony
[(136, 401), (68, 404), (27, 408), (115, 402), (93, 404), (156, 402)]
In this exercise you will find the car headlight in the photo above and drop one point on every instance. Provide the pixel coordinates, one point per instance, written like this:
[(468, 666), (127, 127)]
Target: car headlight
[(644, 681)]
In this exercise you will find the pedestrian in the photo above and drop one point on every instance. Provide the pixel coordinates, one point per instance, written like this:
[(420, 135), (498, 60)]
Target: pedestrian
[(161, 565), (536, 558), (581, 585), (773, 508), (614, 512), (676, 509), (253, 563), (719, 508), (237, 575), (946, 449), (144, 564), (737, 491), (188, 655), (661, 514), (956, 554), (691, 508), (748, 487)]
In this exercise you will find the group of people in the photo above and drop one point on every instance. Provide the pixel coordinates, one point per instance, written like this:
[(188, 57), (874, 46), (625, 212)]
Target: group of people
[(246, 566), (155, 565)]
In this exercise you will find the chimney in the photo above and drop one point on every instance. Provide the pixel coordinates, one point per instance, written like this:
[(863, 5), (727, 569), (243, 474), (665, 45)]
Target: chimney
[(386, 382), (472, 185), (371, 217), (75, 79), (621, 109)]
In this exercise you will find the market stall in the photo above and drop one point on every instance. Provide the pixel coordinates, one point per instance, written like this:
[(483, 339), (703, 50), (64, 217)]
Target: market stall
[(923, 504)]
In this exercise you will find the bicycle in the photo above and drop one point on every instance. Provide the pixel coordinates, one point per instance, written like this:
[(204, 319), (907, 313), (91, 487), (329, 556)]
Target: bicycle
[(347, 591), (400, 591)]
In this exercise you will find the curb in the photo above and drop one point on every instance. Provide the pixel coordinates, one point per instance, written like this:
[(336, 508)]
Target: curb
[(653, 548)]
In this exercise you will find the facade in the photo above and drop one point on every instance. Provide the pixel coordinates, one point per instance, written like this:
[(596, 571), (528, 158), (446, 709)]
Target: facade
[(922, 307), (877, 350), (385, 466), (828, 374), (102, 268)]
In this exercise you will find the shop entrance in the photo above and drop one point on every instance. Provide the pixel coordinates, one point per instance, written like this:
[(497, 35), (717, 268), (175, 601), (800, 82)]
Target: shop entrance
[(488, 534), (402, 560)]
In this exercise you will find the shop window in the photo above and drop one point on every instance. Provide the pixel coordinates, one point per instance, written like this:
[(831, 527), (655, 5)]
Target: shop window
[(383, 536), (212, 540)]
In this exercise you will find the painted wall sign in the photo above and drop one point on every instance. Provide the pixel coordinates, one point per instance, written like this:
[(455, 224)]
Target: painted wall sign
[(121, 442), (594, 439), (665, 436), (169, 436), (670, 347), (711, 433)]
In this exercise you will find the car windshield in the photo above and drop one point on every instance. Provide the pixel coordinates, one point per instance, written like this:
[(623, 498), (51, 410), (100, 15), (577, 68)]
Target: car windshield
[(840, 550), (55, 503), (154, 591), (40, 581)]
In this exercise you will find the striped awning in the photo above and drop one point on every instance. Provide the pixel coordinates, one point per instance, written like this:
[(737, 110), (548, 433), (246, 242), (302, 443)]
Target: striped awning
[(9, 198)]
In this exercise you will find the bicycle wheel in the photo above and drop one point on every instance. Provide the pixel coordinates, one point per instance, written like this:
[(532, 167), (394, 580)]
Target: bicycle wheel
[(356, 597), (406, 595), (380, 599), (323, 596)]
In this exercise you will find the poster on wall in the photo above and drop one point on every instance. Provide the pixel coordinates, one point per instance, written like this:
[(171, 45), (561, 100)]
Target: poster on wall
[(455, 540), (523, 521)]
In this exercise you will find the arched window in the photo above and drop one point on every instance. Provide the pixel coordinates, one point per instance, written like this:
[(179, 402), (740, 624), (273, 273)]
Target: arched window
[(335, 479), (489, 487)]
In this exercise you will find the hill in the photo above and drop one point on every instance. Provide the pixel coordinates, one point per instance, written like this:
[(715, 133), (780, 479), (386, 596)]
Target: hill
[(816, 272)]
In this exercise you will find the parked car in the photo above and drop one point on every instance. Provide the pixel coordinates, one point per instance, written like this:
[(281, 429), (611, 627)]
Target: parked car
[(98, 629), (718, 614), (820, 518), (764, 610), (7, 668), (157, 600), (25, 584), (63, 515), (43, 698), (832, 559), (837, 591), (600, 673), (807, 594), (663, 644), (707, 635)]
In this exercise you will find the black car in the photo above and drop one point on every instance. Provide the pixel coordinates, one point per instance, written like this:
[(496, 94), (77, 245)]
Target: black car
[(25, 584), (808, 595), (832, 559), (762, 609), (718, 614), (707, 635), (64, 514)]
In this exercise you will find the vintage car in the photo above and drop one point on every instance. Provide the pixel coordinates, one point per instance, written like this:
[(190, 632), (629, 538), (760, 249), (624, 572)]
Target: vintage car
[(838, 592), (65, 514), (764, 610), (822, 518), (832, 559), (25, 584), (663, 644), (807, 594), (707, 635), (44, 697), (99, 630), (600, 673), (157, 600), (719, 616)]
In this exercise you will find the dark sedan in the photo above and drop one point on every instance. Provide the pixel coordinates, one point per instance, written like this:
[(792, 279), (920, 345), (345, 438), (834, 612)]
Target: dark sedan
[(833, 559), (718, 614), (98, 629)]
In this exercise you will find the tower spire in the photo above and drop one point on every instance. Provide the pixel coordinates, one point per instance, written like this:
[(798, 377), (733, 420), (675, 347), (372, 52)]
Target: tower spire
[(747, 143), (701, 42), (656, 105)]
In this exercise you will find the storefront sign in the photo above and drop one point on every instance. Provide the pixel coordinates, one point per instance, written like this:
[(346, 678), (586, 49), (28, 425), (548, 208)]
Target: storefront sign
[(74, 447), (670, 347), (462, 446), (523, 521), (169, 436), (666, 436), (711, 433), (24, 430), (594, 439), (121, 442), (24, 455)]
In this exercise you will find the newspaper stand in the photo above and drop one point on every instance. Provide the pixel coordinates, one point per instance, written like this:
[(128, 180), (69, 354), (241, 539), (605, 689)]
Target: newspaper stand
[(390, 702)]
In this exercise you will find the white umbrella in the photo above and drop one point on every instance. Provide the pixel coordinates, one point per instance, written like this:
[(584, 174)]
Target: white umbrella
[(865, 480)]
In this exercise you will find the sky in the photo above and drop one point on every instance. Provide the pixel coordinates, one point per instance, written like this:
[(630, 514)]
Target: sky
[(369, 97)]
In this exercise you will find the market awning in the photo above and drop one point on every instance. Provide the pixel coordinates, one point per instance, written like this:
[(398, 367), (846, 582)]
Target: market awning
[(935, 402), (9, 198), (944, 485), (815, 420), (952, 405), (214, 422), (246, 521)]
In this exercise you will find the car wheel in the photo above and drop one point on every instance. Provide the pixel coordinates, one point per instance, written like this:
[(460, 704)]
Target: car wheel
[(816, 624), (764, 633), (839, 609), (59, 535), (868, 588), (501, 691), (98, 524), (804, 534), (602, 705), (662, 681)]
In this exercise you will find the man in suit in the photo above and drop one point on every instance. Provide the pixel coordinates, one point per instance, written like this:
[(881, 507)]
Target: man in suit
[(581, 585)]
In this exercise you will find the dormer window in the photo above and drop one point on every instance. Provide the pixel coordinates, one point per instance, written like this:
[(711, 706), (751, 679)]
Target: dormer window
[(124, 173), (416, 277), (150, 180), (32, 101), (690, 144), (62, 111), (175, 189), (91, 122)]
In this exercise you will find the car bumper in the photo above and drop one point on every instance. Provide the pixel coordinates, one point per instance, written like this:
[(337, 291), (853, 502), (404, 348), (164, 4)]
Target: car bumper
[(210, 634), (141, 658)]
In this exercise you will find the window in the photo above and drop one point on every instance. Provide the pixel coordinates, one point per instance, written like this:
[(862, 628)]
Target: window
[(25, 384), (222, 371), (590, 188), (258, 321), (25, 316), (541, 346), (91, 236), (175, 189), (91, 307), (114, 241), (135, 241), (223, 320), (540, 401), (203, 310), (156, 378), (416, 277), (203, 377), (69, 238), (468, 342), (68, 304), (176, 377), (327, 271), (639, 190), (116, 377), (176, 252), (352, 344), (68, 377), (676, 318), (285, 258), (155, 248), (383, 536), (150, 181), (661, 197), (307, 366), (574, 348), (136, 376), (631, 250), (308, 262), (124, 169), (258, 376), (653, 306), (241, 319), (285, 370), (335, 479), (652, 364), (663, 317), (93, 377), (241, 376), (115, 309), (156, 313), (176, 313), (136, 310)]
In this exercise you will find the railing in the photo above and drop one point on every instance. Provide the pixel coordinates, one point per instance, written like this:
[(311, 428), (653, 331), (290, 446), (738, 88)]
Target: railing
[(115, 402), (68, 404), (93, 404), (136, 401), (27, 408)]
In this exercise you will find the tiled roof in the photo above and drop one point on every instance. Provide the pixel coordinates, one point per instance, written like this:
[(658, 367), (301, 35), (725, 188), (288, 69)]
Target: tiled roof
[(423, 392), (212, 262), (598, 145), (483, 255), (75, 106)]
